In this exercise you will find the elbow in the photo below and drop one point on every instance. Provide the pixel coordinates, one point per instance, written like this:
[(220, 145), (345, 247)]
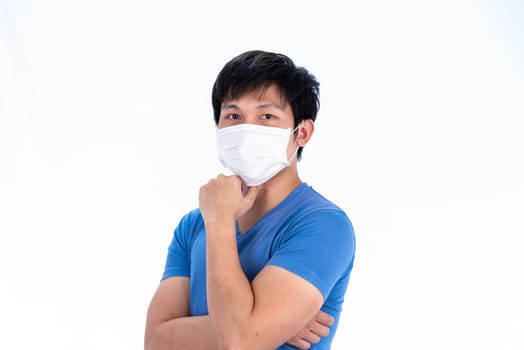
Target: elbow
[(236, 341), (153, 339), (233, 346), (149, 340), (228, 341)]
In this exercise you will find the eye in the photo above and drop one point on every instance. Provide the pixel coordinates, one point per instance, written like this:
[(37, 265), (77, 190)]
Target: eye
[(233, 116), (267, 116)]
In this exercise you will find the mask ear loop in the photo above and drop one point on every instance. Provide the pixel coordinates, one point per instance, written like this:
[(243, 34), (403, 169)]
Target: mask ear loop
[(296, 149), (293, 156)]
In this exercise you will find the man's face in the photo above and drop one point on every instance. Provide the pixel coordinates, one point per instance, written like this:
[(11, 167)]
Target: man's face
[(263, 107), (266, 108)]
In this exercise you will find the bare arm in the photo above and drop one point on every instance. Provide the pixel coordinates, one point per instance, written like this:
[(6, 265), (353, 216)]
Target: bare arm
[(275, 306), (168, 324)]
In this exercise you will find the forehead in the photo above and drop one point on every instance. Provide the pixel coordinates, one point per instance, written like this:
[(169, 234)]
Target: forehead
[(270, 94)]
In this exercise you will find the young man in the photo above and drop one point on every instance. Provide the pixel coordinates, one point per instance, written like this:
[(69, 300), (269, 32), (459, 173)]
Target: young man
[(264, 262)]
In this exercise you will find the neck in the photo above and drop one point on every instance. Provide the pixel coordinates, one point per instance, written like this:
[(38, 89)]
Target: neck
[(270, 195)]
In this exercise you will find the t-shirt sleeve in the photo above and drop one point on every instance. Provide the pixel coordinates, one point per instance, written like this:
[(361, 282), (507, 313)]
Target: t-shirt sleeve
[(178, 252), (320, 248)]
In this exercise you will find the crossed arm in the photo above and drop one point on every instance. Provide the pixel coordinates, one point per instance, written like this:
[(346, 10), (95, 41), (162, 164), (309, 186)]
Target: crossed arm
[(277, 307), (169, 325)]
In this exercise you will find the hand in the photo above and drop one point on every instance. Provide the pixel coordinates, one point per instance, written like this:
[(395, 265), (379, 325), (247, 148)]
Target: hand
[(222, 197), (316, 329)]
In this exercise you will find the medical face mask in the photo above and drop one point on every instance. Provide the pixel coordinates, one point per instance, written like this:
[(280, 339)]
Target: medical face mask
[(255, 153)]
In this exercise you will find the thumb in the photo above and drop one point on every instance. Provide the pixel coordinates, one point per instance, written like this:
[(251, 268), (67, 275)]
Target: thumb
[(252, 193), (248, 200)]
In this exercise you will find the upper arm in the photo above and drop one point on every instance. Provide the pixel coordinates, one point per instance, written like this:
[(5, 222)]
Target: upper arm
[(292, 288), (284, 303), (170, 301)]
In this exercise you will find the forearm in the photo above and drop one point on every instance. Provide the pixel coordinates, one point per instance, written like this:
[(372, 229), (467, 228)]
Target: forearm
[(229, 293), (194, 332)]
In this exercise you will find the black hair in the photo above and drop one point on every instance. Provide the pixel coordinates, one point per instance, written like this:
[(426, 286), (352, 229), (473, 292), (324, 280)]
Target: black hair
[(257, 70)]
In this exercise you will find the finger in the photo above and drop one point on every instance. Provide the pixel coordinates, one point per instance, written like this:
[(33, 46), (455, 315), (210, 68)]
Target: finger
[(319, 329), (324, 318), (299, 343), (252, 193), (311, 338)]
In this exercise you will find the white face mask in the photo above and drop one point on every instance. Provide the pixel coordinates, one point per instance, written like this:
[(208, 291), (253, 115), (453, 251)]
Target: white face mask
[(255, 153)]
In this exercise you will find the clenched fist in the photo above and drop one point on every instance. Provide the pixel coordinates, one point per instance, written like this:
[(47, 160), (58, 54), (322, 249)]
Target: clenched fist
[(222, 198)]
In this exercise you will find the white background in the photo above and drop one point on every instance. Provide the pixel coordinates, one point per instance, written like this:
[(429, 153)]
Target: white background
[(106, 134)]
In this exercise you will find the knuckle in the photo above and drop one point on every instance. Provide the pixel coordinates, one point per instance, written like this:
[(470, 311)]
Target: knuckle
[(304, 343), (323, 332), (313, 338)]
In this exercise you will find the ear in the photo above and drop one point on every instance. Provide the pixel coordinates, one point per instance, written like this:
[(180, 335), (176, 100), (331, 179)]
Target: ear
[(305, 131)]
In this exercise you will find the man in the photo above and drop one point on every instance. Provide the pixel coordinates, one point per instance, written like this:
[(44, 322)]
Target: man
[(264, 262)]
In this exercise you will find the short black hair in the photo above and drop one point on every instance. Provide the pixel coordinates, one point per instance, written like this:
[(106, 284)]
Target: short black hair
[(257, 70)]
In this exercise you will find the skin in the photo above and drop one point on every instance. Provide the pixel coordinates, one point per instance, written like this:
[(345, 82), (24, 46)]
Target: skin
[(277, 306)]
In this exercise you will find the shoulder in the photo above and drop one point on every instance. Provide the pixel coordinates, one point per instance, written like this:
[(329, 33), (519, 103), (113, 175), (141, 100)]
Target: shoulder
[(318, 199), (190, 219), (312, 206), (330, 225), (318, 241), (188, 225), (317, 219)]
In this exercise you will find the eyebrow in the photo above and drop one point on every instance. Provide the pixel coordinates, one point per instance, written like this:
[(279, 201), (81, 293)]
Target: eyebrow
[(262, 106), (270, 105), (229, 106)]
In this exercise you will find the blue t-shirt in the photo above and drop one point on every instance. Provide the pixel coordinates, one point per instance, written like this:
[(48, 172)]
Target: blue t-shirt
[(305, 234)]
